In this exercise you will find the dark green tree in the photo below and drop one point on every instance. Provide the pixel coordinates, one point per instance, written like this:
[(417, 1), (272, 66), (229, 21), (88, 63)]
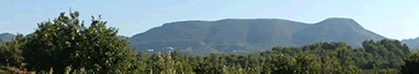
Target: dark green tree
[(11, 52), (65, 42), (411, 64), (53, 44)]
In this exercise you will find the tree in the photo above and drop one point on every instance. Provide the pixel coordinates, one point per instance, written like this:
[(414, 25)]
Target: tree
[(11, 53), (411, 64), (97, 48), (53, 41), (307, 64), (101, 51)]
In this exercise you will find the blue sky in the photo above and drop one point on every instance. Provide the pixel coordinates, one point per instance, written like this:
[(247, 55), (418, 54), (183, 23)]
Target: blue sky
[(394, 19)]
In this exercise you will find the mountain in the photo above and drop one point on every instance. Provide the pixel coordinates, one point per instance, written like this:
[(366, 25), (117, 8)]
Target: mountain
[(335, 30), (248, 35), (222, 35), (412, 43), (6, 36)]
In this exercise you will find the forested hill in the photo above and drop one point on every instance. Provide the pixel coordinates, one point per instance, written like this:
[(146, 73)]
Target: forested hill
[(335, 30), (6, 36), (248, 35), (412, 43)]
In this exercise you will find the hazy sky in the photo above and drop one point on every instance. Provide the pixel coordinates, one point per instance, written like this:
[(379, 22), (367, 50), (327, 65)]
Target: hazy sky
[(391, 18)]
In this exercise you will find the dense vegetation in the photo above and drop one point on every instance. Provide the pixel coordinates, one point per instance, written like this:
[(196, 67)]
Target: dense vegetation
[(65, 45)]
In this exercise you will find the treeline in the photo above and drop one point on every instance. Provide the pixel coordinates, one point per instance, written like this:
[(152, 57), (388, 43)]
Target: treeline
[(385, 56), (65, 45)]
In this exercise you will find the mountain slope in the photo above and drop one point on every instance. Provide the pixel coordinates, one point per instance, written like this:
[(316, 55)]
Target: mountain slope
[(412, 43), (248, 35), (223, 35), (334, 30), (6, 36)]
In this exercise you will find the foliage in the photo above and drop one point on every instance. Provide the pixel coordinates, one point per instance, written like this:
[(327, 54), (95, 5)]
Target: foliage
[(411, 63), (65, 41), (10, 52)]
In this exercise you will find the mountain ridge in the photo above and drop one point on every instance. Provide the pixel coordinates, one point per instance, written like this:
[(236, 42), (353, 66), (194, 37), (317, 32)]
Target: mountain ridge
[(229, 34), (200, 37), (413, 43), (344, 28), (6, 36)]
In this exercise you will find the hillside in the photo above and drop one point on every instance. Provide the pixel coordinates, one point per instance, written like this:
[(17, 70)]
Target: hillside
[(222, 35), (335, 30), (248, 35), (412, 43), (6, 36)]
